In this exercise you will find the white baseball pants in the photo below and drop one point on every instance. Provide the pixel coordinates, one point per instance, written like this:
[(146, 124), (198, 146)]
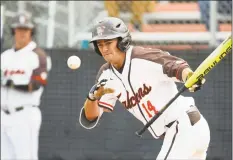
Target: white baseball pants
[(20, 134), (184, 141)]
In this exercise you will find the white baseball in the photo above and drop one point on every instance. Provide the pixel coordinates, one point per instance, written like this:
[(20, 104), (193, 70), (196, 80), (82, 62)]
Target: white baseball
[(73, 62)]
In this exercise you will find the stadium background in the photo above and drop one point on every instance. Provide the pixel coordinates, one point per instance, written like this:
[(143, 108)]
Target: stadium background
[(188, 29)]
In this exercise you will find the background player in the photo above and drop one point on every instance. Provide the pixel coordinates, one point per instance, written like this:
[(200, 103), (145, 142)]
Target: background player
[(24, 72), (143, 80)]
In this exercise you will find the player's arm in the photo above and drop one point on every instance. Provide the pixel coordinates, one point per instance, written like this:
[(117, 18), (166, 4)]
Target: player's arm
[(101, 98), (172, 66), (175, 67), (91, 105), (40, 74), (179, 70), (92, 110)]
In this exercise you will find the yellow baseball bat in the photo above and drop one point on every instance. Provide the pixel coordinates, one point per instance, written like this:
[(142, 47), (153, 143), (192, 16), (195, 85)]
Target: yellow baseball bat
[(209, 63)]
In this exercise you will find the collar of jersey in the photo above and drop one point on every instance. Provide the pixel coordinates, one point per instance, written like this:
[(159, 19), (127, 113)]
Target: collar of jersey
[(29, 47), (127, 63)]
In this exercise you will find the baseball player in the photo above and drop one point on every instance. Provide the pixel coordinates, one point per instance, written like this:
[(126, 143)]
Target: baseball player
[(24, 72), (143, 80)]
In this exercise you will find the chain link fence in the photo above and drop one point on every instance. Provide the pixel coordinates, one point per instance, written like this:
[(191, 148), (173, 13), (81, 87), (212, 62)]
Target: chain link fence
[(174, 24)]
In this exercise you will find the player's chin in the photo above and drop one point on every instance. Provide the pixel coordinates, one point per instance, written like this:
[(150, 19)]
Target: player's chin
[(108, 57)]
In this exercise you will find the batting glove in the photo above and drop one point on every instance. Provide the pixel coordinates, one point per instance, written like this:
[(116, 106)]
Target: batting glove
[(98, 90), (198, 85)]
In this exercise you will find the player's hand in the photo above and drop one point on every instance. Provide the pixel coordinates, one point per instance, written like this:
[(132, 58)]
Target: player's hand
[(98, 90), (9, 83), (197, 86)]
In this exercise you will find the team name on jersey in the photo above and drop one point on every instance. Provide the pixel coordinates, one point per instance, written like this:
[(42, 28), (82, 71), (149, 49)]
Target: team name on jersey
[(12, 72), (135, 99)]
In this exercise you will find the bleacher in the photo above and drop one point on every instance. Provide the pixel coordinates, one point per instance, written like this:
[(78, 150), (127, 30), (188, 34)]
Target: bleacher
[(173, 24), (184, 17)]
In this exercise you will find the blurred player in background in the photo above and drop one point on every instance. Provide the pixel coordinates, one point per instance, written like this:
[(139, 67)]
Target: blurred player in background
[(137, 8), (143, 80), (24, 71)]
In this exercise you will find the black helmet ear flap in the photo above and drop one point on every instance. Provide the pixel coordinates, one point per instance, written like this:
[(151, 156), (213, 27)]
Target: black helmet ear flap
[(96, 48), (124, 43)]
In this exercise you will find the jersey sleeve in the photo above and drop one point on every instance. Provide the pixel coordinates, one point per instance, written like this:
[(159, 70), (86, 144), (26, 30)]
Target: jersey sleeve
[(40, 73), (107, 101), (85, 123), (172, 66)]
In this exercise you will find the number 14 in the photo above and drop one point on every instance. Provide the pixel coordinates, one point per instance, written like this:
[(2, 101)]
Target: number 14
[(148, 108)]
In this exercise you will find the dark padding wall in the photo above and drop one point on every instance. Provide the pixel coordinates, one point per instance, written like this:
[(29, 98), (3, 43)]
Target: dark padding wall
[(63, 138)]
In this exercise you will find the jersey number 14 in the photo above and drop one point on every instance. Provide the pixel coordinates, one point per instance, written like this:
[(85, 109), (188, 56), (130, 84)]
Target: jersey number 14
[(149, 108)]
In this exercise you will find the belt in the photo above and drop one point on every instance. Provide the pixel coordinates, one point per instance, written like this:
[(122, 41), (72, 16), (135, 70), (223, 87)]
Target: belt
[(17, 109), (193, 114)]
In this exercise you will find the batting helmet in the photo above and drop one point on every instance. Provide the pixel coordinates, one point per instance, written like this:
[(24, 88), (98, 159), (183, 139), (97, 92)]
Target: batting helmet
[(22, 20), (110, 28)]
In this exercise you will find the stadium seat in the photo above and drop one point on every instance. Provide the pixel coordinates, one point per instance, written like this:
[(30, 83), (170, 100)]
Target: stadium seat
[(177, 46), (177, 6), (176, 17), (174, 28), (225, 27)]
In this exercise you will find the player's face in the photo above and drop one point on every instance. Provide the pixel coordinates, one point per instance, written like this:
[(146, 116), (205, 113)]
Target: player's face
[(23, 35), (108, 49)]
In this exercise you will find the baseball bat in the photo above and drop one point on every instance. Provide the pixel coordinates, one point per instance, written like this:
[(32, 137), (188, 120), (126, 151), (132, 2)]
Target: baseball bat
[(204, 68)]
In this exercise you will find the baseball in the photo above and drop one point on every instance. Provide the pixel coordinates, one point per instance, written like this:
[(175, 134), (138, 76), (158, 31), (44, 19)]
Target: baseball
[(73, 62)]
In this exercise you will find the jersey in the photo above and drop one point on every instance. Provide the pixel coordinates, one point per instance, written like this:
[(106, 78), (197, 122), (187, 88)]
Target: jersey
[(22, 66), (145, 85)]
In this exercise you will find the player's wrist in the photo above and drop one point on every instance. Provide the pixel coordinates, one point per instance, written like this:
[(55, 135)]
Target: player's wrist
[(91, 95), (91, 98)]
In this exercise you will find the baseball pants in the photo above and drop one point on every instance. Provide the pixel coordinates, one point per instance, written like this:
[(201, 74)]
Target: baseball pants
[(20, 133), (184, 141)]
